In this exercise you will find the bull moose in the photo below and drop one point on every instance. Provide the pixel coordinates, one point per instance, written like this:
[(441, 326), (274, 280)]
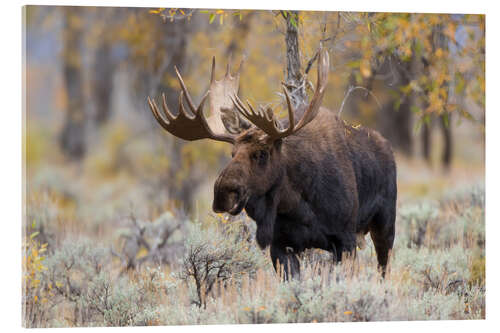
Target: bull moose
[(315, 183)]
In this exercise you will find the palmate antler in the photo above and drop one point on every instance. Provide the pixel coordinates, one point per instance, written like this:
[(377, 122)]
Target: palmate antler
[(223, 114), (265, 119), (192, 125)]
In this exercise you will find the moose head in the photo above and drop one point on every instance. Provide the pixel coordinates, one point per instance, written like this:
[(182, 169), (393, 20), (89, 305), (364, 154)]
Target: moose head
[(256, 165)]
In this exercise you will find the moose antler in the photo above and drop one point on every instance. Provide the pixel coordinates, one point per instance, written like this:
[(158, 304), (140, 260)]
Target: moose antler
[(223, 116), (193, 125), (265, 120)]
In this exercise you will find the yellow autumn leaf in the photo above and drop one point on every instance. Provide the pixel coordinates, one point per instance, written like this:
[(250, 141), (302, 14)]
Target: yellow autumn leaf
[(365, 69), (142, 253), (246, 308), (348, 312)]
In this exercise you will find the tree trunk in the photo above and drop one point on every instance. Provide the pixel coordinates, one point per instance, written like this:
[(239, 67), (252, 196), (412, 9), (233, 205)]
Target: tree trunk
[(241, 30), (295, 81), (441, 41), (180, 190), (103, 82), (72, 137), (448, 141), (396, 123), (426, 142), (403, 128)]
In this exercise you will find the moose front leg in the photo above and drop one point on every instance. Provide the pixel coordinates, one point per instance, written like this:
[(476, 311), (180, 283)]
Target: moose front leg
[(285, 259), (342, 244)]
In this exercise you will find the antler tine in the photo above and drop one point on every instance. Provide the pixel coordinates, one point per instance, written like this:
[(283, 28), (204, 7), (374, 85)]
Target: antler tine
[(228, 68), (241, 107), (199, 111), (242, 62), (182, 110), (322, 80), (212, 72), (252, 110), (186, 93), (156, 114), (291, 111), (187, 125), (266, 120), (166, 111), (237, 102)]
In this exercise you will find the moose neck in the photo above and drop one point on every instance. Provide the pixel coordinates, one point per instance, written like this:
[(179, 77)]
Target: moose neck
[(263, 209)]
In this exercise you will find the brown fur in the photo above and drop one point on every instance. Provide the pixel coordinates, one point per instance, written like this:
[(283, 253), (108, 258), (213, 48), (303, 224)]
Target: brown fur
[(319, 187)]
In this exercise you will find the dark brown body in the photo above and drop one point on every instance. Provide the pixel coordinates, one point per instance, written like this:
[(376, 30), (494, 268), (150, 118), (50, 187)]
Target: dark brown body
[(317, 188)]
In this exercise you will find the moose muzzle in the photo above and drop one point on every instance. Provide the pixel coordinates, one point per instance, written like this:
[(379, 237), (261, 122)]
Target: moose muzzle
[(229, 195)]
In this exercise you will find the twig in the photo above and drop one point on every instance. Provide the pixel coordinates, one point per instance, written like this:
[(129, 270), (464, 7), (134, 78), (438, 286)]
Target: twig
[(351, 89), (311, 62)]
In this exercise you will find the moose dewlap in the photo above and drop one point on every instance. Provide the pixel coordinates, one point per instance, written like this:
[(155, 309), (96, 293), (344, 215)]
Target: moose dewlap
[(312, 183)]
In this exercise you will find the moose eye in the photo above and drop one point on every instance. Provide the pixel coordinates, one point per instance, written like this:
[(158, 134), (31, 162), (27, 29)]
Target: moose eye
[(260, 156)]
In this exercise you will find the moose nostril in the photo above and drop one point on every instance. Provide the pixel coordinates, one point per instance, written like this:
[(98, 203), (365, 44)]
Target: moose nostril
[(234, 195), (226, 197)]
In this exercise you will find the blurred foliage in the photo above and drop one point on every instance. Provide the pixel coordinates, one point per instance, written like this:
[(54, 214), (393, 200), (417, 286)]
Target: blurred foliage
[(418, 35), (376, 35), (35, 293), (143, 42)]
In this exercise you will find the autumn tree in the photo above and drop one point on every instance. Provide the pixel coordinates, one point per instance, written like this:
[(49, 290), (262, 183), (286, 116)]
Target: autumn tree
[(72, 136), (411, 80), (102, 39), (416, 47)]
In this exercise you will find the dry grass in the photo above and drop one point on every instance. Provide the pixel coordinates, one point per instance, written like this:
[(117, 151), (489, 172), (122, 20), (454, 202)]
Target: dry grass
[(436, 272)]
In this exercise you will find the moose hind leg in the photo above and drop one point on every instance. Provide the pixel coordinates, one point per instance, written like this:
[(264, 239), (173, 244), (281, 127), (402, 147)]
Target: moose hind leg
[(382, 233), (284, 259)]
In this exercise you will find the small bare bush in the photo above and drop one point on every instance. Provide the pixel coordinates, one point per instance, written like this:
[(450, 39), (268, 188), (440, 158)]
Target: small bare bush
[(156, 242), (213, 256), (71, 270)]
